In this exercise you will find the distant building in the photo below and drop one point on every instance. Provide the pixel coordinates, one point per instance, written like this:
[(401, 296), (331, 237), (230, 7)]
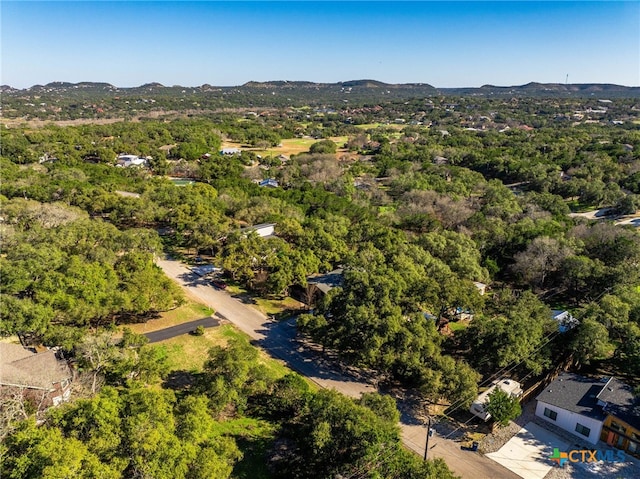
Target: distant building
[(479, 406), (318, 285), (205, 269), (481, 287), (43, 377), (264, 230), (130, 160), (269, 183), (564, 319), (230, 151)]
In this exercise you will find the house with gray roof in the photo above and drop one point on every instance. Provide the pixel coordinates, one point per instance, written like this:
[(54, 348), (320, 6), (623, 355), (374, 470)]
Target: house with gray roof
[(42, 375), (593, 409), (318, 286), (570, 402)]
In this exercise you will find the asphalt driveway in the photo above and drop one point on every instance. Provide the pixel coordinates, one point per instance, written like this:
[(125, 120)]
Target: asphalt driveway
[(180, 329)]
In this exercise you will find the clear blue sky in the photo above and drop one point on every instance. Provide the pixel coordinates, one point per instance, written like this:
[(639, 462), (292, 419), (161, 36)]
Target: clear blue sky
[(445, 44)]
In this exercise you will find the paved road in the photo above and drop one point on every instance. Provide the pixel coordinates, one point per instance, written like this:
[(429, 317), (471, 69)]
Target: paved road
[(180, 329), (607, 213), (279, 339)]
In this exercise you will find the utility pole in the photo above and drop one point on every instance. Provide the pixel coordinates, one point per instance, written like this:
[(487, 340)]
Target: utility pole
[(426, 447)]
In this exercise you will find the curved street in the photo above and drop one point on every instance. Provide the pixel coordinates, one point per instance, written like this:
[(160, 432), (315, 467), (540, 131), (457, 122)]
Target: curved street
[(279, 340)]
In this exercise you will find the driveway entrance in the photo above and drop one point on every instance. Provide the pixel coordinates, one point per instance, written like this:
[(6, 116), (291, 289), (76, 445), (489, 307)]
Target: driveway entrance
[(527, 453)]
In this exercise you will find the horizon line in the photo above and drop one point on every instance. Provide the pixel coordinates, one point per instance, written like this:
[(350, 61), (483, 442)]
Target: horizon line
[(426, 84)]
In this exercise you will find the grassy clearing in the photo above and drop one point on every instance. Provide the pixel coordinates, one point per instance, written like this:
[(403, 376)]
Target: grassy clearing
[(290, 146), (245, 427), (457, 326), (277, 306), (373, 126), (187, 312), (270, 307), (189, 353)]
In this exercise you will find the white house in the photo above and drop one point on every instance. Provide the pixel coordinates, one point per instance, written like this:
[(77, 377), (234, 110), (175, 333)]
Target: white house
[(571, 403), (130, 160), (478, 407)]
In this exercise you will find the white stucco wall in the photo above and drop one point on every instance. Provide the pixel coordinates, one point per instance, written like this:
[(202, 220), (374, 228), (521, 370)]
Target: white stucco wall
[(567, 420)]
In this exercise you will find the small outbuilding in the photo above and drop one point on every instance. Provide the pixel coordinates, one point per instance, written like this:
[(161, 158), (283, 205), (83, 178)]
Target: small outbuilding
[(269, 183)]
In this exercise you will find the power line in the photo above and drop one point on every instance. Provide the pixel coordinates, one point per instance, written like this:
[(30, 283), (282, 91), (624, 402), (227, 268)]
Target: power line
[(458, 404), (549, 337)]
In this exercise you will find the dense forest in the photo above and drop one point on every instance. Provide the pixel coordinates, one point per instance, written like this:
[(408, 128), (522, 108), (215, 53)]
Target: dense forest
[(418, 200)]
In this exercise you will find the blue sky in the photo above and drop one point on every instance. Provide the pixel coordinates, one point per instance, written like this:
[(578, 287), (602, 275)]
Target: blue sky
[(445, 44)]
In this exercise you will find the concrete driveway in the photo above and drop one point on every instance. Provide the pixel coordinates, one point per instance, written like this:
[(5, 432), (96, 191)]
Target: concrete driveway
[(527, 453)]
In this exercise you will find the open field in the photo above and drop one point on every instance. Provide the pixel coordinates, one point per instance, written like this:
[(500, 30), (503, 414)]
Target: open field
[(188, 352), (373, 126), (266, 305), (290, 146)]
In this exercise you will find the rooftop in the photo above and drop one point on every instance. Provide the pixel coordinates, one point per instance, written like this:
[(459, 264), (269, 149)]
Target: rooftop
[(576, 394), (328, 281), (621, 402), (24, 368)]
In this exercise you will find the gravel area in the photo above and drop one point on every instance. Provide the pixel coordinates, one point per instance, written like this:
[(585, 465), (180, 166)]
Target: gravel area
[(494, 441)]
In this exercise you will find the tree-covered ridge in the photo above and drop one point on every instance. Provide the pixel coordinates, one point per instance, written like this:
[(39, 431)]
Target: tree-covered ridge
[(62, 100)]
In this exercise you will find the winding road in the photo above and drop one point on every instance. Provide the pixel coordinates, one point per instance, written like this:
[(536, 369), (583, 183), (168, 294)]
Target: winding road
[(279, 339)]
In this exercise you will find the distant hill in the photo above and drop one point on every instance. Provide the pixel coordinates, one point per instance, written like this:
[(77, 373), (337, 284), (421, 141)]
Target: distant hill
[(358, 88), (539, 90), (64, 100)]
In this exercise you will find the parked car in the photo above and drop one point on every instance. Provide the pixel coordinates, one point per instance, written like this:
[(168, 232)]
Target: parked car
[(218, 283)]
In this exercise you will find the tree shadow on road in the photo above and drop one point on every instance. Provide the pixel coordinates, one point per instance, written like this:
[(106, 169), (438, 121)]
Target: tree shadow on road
[(192, 279), (281, 341), (410, 405)]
